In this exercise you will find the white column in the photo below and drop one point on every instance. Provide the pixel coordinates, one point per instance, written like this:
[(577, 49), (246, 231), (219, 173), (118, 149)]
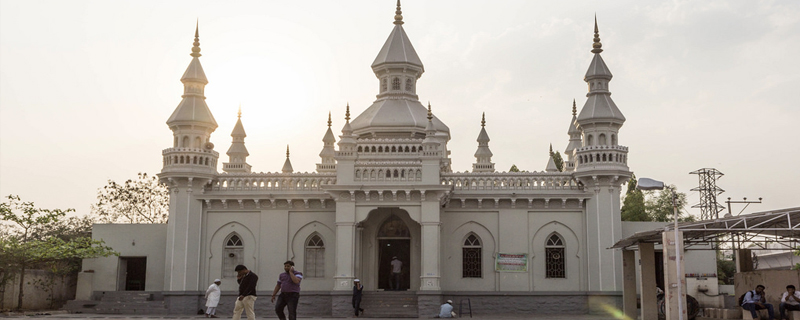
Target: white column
[(183, 239), (604, 229), (674, 275), (345, 245), (647, 283), (430, 272), (629, 283)]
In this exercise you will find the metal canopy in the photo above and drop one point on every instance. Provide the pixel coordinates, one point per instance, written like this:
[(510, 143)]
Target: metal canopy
[(762, 228)]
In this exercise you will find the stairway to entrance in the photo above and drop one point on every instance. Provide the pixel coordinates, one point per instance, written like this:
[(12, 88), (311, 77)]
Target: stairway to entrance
[(390, 304), (120, 302)]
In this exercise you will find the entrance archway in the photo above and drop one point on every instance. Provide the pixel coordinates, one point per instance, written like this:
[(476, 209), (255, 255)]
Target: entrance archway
[(394, 242), (386, 233)]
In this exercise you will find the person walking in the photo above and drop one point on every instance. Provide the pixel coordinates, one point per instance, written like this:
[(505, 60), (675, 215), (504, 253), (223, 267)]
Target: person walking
[(289, 286), (357, 289), (397, 272), (247, 293), (212, 298)]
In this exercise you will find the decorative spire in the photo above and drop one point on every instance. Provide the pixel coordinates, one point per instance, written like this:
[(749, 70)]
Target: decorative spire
[(597, 46), (483, 119), (287, 166), (398, 15), (347, 113), (551, 149), (196, 48), (430, 113), (240, 111), (574, 108), (329, 119), (483, 155)]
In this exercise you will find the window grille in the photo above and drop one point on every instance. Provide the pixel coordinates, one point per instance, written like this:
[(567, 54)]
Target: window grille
[(409, 84), (315, 257), (396, 84), (471, 265), (232, 255), (554, 252)]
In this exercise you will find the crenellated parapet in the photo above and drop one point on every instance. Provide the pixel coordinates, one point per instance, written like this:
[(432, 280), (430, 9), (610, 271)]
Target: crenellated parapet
[(504, 181), (271, 182), (191, 159), (592, 156)]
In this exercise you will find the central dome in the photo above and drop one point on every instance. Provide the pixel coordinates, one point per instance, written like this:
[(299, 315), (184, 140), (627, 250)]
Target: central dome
[(394, 116)]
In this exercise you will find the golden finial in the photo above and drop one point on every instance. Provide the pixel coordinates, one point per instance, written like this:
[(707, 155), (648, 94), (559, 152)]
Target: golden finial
[(196, 48), (597, 46), (329, 119), (240, 111), (287, 151), (574, 108), (398, 15), (430, 113), (347, 113), (483, 119)]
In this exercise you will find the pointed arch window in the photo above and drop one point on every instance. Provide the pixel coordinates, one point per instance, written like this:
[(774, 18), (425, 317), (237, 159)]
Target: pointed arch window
[(232, 255), (471, 253), (554, 257), (409, 84), (315, 257), (396, 83)]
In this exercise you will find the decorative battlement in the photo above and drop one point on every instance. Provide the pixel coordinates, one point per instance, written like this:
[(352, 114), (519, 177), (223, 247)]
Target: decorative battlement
[(389, 174), (272, 182), (174, 158), (510, 181), (602, 154)]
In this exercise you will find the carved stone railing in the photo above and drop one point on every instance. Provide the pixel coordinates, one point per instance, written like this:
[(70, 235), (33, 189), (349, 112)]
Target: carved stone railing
[(272, 182), (176, 158), (510, 181), (601, 155)]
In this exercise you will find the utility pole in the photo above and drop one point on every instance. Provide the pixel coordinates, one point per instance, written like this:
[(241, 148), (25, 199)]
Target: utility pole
[(709, 207)]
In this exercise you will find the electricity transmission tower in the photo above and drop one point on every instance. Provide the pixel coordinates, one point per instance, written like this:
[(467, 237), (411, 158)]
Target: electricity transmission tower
[(709, 208)]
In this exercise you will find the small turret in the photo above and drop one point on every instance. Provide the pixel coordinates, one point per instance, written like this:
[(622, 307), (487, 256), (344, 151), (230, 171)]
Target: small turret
[(237, 153), (328, 153), (551, 163), (483, 155), (192, 153), (287, 166), (574, 140)]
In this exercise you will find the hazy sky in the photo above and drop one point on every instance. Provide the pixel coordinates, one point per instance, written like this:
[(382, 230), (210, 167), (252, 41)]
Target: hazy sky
[(87, 86)]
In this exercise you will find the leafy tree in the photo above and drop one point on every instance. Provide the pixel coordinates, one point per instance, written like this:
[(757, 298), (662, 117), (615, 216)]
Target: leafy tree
[(34, 241), (513, 168), (559, 161), (143, 200), (20, 252), (633, 208), (659, 205)]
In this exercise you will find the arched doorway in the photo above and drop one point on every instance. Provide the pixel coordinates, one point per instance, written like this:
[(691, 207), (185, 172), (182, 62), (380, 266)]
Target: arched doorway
[(394, 241)]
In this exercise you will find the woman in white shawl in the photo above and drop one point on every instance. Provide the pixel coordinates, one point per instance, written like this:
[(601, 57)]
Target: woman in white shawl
[(212, 298)]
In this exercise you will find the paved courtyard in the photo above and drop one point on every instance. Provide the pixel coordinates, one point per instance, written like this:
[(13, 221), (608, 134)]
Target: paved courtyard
[(122, 317)]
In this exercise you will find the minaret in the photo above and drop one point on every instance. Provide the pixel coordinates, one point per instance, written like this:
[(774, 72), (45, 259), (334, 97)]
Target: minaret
[(483, 155), (189, 165), (287, 165), (602, 168), (237, 153), (574, 140), (397, 65), (551, 163), (328, 153)]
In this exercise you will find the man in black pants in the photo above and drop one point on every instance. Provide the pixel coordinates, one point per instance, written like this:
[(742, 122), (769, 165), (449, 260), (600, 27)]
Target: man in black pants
[(289, 286), (247, 293), (357, 289)]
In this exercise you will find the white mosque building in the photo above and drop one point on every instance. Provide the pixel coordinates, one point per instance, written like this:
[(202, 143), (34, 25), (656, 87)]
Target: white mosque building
[(520, 241)]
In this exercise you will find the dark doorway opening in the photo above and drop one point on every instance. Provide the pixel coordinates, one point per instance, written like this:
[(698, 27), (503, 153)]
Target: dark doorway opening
[(388, 248), (132, 273), (659, 269)]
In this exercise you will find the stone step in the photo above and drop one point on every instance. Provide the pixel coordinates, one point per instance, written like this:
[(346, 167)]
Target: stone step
[(390, 305)]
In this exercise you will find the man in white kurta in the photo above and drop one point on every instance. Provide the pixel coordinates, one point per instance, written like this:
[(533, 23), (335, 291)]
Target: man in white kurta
[(212, 298)]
